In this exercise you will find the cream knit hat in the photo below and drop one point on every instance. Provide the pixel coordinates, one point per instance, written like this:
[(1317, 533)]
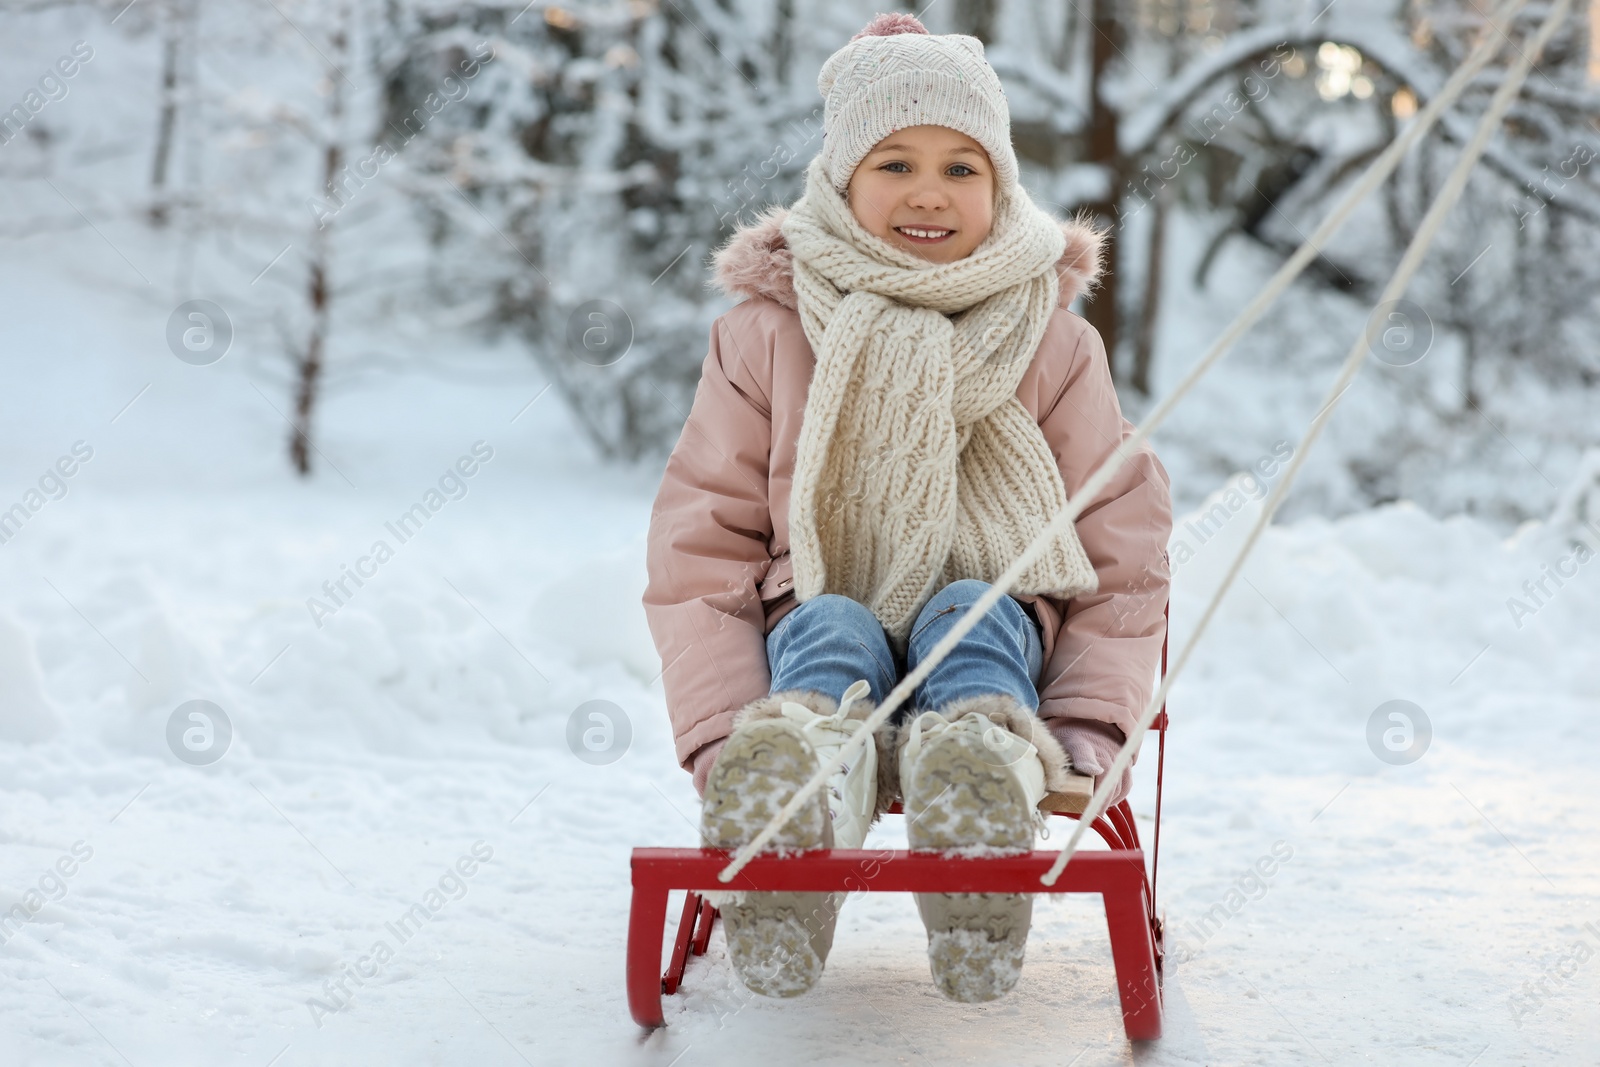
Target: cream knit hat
[(895, 74)]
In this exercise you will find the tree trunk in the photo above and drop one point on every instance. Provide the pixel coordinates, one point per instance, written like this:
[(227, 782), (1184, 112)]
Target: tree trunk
[(1469, 369), (318, 296), (1144, 341), (310, 362), (1069, 38), (783, 41), (169, 108), (976, 19), (1101, 310)]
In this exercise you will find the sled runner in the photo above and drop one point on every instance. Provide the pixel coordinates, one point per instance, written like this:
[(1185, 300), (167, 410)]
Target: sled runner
[(1117, 874)]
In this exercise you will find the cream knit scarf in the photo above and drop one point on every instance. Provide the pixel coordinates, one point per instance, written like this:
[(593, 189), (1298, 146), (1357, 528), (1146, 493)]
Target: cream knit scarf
[(917, 465)]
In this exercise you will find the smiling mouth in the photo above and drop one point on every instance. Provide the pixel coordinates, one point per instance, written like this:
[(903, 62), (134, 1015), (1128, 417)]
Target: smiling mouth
[(924, 235)]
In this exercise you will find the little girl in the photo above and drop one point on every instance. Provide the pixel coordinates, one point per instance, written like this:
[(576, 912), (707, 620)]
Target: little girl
[(900, 405)]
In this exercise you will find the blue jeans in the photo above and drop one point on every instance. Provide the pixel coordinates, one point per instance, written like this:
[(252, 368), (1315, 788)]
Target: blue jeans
[(830, 641)]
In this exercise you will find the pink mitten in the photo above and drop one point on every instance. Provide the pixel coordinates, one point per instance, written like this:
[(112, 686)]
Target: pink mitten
[(701, 762), (1092, 746)]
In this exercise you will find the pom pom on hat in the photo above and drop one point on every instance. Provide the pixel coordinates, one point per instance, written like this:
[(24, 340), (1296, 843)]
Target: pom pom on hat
[(887, 25)]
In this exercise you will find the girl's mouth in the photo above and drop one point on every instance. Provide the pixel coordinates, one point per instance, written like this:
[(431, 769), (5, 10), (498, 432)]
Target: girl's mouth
[(924, 235)]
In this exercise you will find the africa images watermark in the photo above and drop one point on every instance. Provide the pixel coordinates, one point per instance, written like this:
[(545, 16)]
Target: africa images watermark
[(453, 882), (748, 186), (1252, 885), (1537, 992), (452, 486), (352, 179), (1535, 199), (1250, 485), (52, 486), (52, 886), (1206, 129), (52, 87), (1536, 593)]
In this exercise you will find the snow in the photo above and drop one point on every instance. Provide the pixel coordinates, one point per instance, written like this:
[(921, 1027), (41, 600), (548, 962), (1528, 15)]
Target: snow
[(406, 806), (421, 732)]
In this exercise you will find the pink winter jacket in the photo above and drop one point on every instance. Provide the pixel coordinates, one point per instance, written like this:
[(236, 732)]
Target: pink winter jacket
[(718, 561)]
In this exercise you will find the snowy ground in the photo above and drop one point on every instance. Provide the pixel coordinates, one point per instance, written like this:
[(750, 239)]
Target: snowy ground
[(425, 723)]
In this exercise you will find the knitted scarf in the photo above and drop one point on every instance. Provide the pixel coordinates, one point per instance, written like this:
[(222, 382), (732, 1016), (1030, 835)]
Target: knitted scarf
[(917, 465)]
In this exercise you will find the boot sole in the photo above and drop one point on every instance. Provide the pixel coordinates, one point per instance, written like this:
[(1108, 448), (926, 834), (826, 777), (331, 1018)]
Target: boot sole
[(777, 942), (961, 798)]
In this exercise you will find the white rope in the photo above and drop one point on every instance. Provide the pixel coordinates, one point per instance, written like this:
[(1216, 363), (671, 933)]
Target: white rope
[(1398, 283), (1375, 174)]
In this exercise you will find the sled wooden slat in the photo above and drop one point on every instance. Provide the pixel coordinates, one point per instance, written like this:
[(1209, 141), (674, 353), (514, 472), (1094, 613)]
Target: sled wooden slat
[(1073, 799)]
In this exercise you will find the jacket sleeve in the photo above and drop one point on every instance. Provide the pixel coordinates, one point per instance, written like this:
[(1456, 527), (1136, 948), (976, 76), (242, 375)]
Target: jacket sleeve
[(1107, 652), (707, 549)]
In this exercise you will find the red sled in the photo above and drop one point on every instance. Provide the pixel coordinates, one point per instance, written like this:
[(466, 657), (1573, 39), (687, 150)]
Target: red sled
[(1117, 874)]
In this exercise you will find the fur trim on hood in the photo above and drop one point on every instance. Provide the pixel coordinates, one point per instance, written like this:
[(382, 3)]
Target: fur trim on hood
[(756, 260)]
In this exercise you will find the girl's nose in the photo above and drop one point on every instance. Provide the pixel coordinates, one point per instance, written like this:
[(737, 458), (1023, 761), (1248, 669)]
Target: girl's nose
[(927, 196)]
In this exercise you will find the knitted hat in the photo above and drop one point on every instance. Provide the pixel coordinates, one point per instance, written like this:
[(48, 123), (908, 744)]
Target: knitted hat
[(895, 74)]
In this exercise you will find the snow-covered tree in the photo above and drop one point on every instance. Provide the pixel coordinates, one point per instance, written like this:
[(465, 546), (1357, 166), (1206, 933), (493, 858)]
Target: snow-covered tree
[(612, 147)]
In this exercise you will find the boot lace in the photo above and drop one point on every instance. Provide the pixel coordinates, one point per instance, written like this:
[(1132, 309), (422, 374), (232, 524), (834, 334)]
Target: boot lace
[(828, 734)]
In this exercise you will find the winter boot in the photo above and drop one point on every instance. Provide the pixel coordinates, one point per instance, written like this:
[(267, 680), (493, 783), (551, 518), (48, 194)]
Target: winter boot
[(972, 775), (779, 942)]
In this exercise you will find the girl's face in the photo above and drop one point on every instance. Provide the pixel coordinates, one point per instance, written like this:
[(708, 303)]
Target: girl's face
[(926, 180)]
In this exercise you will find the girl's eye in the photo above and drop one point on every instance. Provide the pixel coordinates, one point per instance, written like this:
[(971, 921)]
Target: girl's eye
[(969, 172)]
